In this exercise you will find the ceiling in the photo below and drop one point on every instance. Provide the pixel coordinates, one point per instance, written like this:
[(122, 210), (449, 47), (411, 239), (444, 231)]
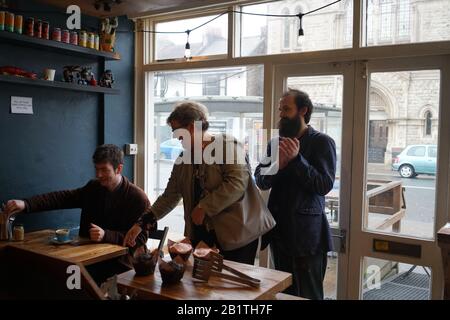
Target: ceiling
[(134, 8)]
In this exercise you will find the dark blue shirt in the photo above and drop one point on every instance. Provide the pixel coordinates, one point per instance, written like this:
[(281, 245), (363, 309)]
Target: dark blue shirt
[(297, 196)]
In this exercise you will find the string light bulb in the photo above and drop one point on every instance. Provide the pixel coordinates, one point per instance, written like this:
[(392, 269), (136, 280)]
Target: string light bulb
[(187, 48), (300, 27)]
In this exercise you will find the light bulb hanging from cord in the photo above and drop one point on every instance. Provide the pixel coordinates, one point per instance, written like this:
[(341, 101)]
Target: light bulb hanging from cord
[(187, 48), (300, 27)]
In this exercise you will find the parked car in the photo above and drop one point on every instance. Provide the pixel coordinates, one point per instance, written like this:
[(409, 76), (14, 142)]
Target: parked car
[(416, 159), (170, 149)]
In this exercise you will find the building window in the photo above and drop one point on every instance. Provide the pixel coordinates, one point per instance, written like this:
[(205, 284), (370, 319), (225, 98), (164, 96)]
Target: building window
[(385, 19), (286, 30), (369, 27), (403, 19), (212, 85), (348, 24), (428, 117)]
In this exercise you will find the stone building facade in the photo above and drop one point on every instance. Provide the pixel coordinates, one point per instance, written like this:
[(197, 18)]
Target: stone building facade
[(404, 106)]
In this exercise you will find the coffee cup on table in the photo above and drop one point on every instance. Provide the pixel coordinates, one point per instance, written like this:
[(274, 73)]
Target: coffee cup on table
[(62, 235), (49, 74)]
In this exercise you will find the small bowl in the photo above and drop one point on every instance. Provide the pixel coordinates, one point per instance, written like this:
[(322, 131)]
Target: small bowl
[(184, 246), (171, 272), (144, 264)]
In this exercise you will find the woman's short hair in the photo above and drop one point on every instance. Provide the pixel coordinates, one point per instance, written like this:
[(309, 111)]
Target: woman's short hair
[(187, 112)]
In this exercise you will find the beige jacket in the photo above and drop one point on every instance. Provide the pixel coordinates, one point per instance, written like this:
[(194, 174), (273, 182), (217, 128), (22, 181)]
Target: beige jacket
[(224, 185)]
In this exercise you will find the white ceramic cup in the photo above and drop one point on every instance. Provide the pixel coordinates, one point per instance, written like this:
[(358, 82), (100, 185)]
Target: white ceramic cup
[(49, 74)]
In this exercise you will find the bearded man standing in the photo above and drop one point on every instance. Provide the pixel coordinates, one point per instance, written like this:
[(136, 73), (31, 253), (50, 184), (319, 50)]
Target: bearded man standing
[(306, 173)]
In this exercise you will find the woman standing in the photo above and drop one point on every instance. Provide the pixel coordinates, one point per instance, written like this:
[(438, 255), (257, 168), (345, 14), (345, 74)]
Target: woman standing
[(212, 185)]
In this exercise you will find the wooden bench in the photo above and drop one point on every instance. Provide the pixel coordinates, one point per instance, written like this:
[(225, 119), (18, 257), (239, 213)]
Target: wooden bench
[(386, 197)]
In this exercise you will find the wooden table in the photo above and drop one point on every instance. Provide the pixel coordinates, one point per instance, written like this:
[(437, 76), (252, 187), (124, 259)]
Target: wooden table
[(151, 287), (86, 254)]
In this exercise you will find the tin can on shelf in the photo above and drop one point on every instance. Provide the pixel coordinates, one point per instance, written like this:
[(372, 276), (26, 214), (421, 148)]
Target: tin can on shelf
[(18, 22), (9, 21), (90, 40), (74, 38), (19, 232), (97, 42), (65, 36), (82, 41), (2, 20), (56, 35), (46, 30), (29, 27), (38, 29)]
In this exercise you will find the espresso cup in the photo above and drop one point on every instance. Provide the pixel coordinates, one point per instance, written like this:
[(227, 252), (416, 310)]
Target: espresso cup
[(62, 235)]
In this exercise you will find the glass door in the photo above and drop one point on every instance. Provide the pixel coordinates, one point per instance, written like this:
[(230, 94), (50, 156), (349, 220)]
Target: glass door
[(399, 179), (330, 87)]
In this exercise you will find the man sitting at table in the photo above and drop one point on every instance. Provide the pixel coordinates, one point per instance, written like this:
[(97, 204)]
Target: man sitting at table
[(110, 204)]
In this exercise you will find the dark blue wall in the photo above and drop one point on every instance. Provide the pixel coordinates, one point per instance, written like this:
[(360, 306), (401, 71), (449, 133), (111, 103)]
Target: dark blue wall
[(52, 149)]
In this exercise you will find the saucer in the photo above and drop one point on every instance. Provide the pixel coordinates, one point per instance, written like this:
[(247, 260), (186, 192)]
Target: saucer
[(54, 240)]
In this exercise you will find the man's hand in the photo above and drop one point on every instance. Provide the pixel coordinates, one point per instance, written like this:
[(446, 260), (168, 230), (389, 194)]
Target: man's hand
[(198, 215), (130, 237), (13, 206), (96, 233), (289, 149)]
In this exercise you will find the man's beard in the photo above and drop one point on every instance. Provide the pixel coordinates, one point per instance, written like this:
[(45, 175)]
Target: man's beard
[(289, 127)]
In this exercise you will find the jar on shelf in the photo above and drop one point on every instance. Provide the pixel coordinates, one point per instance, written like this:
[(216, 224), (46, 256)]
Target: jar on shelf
[(74, 38), (9, 21), (56, 35), (45, 30), (19, 232), (97, 42), (2, 20), (82, 41), (18, 21), (29, 26), (65, 36), (38, 29), (91, 40)]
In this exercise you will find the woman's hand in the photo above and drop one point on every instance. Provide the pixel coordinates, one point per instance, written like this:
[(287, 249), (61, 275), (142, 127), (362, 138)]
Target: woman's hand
[(130, 237), (198, 215)]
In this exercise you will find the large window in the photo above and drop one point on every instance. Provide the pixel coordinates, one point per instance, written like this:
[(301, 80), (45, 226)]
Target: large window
[(323, 30), (208, 40)]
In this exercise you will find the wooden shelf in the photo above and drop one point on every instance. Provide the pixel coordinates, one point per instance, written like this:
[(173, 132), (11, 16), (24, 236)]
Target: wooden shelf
[(24, 40), (57, 84)]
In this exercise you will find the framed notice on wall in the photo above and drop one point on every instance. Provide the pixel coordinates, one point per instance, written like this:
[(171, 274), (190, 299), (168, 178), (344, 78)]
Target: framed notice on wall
[(21, 105)]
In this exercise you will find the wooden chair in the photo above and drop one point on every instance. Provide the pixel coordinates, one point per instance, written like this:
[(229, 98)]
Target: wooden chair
[(27, 275), (160, 235)]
